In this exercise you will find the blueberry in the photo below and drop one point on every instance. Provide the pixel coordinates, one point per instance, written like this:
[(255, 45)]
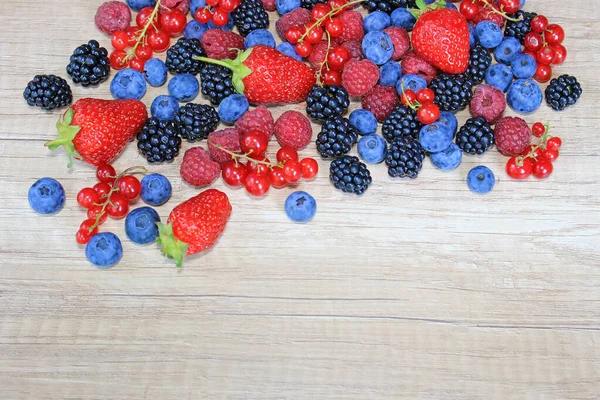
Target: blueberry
[(435, 137), (489, 34), (376, 21), (155, 72), (451, 6), (523, 66), (364, 121), (259, 36), (137, 5), (412, 82), (289, 50), (402, 18), (472, 37), (499, 75), (524, 95), (232, 107), (196, 4), (184, 87), (377, 47), (448, 119), (104, 250), (507, 50), (164, 107), (140, 225), (300, 206), (389, 73), (481, 179), (372, 148), (195, 30), (156, 189), (128, 84), (46, 196), (285, 6), (448, 159), (227, 27), (522, 3)]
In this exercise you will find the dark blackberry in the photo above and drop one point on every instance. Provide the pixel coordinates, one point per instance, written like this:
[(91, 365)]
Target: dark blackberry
[(215, 82), (324, 102), (562, 92), (309, 4), (250, 16), (48, 92), (452, 92), (349, 175), (89, 64), (479, 61), (336, 138), (475, 136), (180, 56), (159, 140), (405, 158), (388, 6), (519, 29), (401, 122), (196, 121)]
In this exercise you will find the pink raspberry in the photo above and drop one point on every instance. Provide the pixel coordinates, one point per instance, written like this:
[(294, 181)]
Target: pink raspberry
[(358, 77), (260, 118), (293, 129), (113, 16), (353, 25), (414, 64), (316, 58), (400, 40), (198, 169), (354, 47), (228, 138), (489, 102), (381, 101), (270, 5), (512, 135), (220, 44), (297, 17), (486, 13), (180, 5)]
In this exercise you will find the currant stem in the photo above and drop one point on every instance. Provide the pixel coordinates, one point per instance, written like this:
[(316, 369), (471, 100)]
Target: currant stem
[(413, 105), (542, 144), (500, 12), (325, 63), (246, 156), (142, 37), (328, 15)]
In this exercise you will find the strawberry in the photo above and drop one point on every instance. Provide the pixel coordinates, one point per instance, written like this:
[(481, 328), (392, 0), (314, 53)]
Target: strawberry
[(194, 225), (266, 76), (96, 131), (441, 37)]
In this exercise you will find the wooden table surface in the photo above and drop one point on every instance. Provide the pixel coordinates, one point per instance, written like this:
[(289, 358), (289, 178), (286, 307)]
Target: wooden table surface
[(416, 290)]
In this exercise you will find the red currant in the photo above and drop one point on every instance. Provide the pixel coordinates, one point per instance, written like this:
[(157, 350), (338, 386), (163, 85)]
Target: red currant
[(117, 59), (543, 73), (159, 40), (560, 53), (509, 6), (220, 17), (119, 40), (304, 49), (538, 129), (257, 184), (545, 55), (554, 143), (93, 213), (428, 113), (550, 154), (143, 52), (469, 9), (539, 23), (319, 11), (277, 178), (102, 188), (86, 226), (118, 206), (202, 15), (314, 35), (408, 97), (82, 237), (532, 151), (130, 187), (87, 197), (132, 34), (137, 64), (425, 95), (310, 168), (294, 34), (227, 5), (106, 173), (143, 17), (335, 27), (260, 168), (533, 41), (287, 153), (542, 169), (174, 21), (254, 142), (212, 3), (292, 171), (332, 77), (554, 34), (338, 57), (234, 173), (522, 171)]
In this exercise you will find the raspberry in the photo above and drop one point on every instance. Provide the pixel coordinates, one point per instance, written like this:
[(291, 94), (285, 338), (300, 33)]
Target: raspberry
[(270, 5), (358, 77), (198, 169), (414, 64), (296, 17), (180, 5), (354, 47), (228, 138), (220, 44), (489, 102), (316, 58), (260, 118), (512, 135), (293, 129), (400, 40), (353, 25), (113, 16), (486, 13), (381, 101)]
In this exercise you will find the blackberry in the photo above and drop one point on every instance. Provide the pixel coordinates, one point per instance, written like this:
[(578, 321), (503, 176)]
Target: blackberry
[(48, 92), (196, 121), (388, 6), (405, 158), (479, 61), (89, 64), (562, 92), (159, 140), (452, 92), (336, 138), (179, 56), (324, 102), (400, 123), (309, 4), (475, 136), (215, 82), (250, 16), (519, 29), (350, 175)]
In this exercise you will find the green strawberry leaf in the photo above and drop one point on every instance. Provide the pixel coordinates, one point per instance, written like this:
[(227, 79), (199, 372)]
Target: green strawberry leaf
[(240, 71), (66, 134), (170, 246)]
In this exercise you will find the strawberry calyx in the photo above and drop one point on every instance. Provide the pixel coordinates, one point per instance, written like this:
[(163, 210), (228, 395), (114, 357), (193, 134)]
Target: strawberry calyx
[(422, 8), (240, 71), (170, 246), (66, 134)]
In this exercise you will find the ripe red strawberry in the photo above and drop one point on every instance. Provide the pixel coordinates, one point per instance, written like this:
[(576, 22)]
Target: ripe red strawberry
[(441, 37), (194, 225), (219, 43), (96, 131), (266, 76)]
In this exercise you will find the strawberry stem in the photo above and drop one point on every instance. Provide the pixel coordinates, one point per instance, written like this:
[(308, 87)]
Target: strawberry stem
[(142, 37), (422, 8), (240, 71), (170, 246), (66, 134)]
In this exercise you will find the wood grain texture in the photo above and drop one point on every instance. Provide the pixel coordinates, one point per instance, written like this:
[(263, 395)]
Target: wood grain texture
[(416, 290)]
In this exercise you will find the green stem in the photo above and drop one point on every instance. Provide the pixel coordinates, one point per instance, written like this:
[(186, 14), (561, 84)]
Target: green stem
[(142, 37), (542, 144), (246, 156), (500, 12), (331, 13)]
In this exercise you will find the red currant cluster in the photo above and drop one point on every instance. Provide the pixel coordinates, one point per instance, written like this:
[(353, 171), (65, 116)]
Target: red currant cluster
[(537, 159), (216, 11), (470, 8), (109, 197), (151, 34), (422, 102), (544, 44)]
